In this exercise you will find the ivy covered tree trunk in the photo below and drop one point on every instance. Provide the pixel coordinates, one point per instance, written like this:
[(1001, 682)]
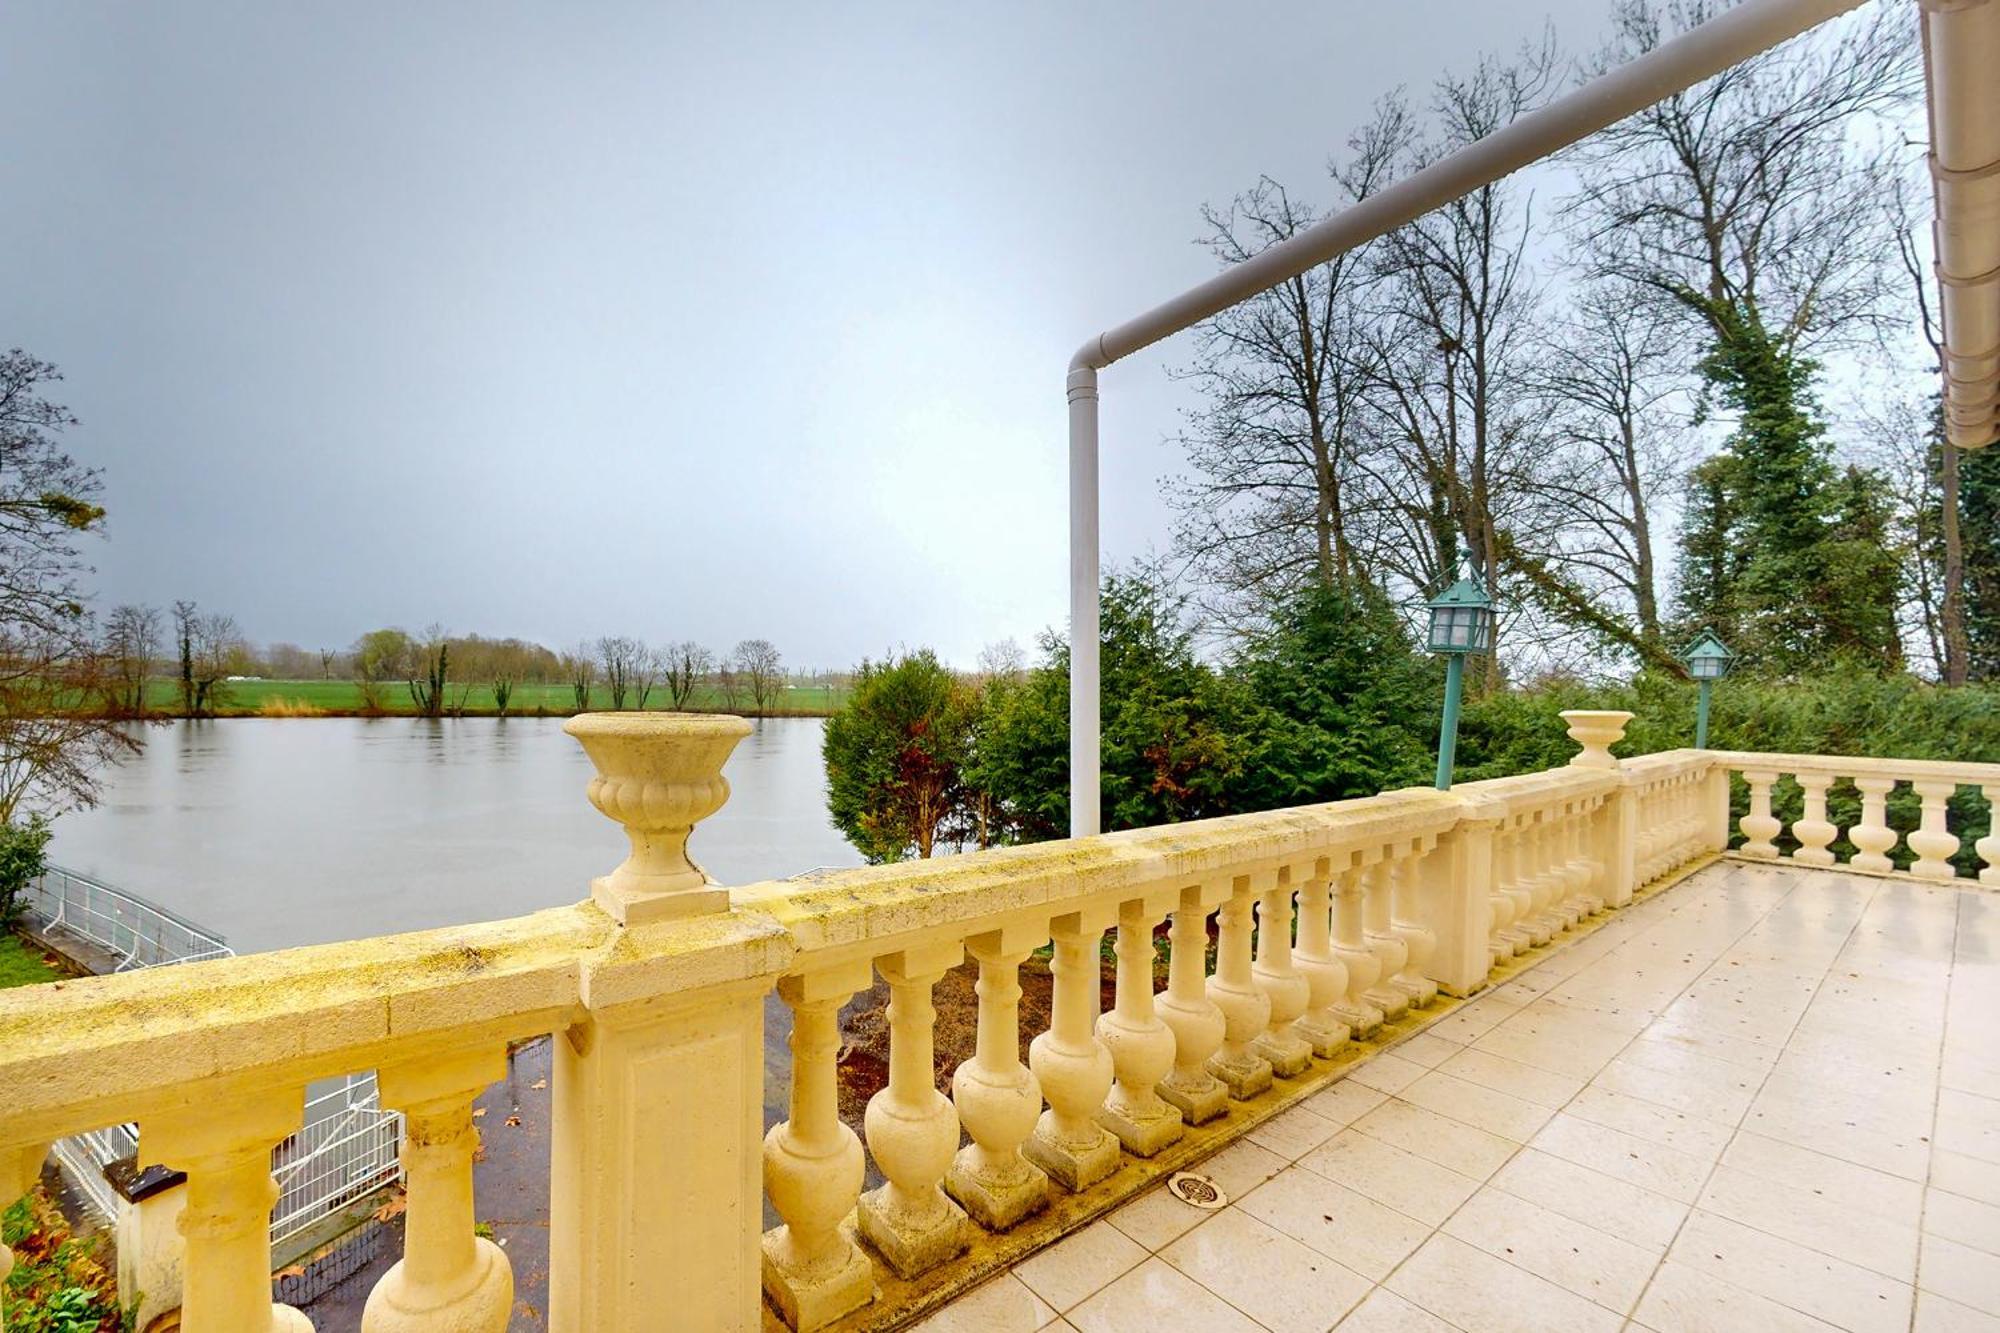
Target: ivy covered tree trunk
[(1782, 549)]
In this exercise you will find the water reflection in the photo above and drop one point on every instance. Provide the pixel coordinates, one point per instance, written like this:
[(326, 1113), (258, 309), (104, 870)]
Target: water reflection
[(280, 832)]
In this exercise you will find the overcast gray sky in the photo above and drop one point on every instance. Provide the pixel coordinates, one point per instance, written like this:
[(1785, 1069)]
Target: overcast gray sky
[(677, 321)]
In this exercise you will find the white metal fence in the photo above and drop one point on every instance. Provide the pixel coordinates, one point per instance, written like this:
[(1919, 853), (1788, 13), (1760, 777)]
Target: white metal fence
[(346, 1149), (136, 933)]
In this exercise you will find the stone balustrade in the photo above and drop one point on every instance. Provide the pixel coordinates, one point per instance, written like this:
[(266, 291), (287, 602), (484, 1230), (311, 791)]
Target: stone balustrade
[(1931, 845), (1331, 927)]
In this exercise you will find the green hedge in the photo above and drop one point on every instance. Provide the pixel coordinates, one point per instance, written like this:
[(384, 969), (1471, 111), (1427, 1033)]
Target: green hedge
[(1887, 717)]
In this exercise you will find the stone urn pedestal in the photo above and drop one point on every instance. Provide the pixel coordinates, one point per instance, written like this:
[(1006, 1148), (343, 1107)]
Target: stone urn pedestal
[(658, 774), (1596, 730)]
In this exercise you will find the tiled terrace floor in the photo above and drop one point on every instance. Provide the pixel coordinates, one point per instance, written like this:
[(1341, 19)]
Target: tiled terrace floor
[(1767, 1099)]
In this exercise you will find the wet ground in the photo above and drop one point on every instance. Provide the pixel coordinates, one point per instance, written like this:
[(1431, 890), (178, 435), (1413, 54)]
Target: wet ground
[(510, 1186)]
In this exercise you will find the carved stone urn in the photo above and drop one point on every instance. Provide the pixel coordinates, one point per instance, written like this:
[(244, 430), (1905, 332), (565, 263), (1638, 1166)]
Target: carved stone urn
[(1596, 730), (658, 774)]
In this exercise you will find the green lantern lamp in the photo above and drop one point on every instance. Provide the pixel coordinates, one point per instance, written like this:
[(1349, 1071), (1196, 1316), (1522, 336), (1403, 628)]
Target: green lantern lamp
[(1462, 619), (1708, 660)]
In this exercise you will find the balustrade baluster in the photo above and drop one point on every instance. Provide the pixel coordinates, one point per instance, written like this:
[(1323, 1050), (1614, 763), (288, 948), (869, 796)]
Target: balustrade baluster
[(448, 1277), (1562, 868), (1872, 837), (1656, 838), (224, 1147), (20, 1168), (1562, 908), (813, 1165), (1406, 923), (1509, 850), (1073, 1065), (1760, 826), (1812, 829), (998, 1098), (1988, 847), (1586, 830), (1501, 941), (1390, 952), (1667, 854), (1193, 1018), (1350, 946), (1669, 831), (1576, 866), (1142, 1046), (1641, 821), (912, 1128), (1934, 842), (1673, 849), (1326, 976), (1246, 1010), (1287, 991), (1546, 921), (1691, 840)]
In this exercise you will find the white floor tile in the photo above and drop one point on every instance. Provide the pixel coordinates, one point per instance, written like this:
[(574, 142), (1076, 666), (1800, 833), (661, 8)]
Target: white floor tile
[(1284, 1285), (1468, 1287)]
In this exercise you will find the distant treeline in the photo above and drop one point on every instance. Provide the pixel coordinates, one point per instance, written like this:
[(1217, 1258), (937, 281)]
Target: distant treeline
[(193, 663)]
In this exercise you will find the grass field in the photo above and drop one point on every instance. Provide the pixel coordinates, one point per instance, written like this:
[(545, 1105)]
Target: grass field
[(305, 698), (21, 962)]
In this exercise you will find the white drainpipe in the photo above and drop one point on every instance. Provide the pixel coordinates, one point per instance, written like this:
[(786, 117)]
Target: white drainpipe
[(1723, 41), (1962, 67)]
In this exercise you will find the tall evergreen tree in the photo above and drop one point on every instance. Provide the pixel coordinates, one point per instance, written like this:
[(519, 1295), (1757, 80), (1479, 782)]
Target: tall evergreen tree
[(1341, 702), (1979, 522)]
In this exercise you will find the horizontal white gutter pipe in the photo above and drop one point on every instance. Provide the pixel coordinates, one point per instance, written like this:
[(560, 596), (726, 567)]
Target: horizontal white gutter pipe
[(1700, 53), (1962, 68)]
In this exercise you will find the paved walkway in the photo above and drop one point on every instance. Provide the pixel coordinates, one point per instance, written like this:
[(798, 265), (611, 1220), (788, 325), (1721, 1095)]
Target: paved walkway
[(1766, 1100)]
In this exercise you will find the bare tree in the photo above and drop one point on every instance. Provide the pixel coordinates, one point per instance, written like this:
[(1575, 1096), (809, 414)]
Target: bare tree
[(211, 650), (579, 668), (1903, 439), (47, 504), (288, 661), (327, 658), (430, 671), (647, 664), (1751, 197), (132, 647), (1614, 388), (51, 750), (1452, 349), (616, 657), (1272, 448), (686, 663), (758, 662), (1002, 659), (1940, 591)]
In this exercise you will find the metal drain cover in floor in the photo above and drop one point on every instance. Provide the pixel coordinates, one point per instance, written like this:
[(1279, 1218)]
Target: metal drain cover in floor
[(1196, 1189)]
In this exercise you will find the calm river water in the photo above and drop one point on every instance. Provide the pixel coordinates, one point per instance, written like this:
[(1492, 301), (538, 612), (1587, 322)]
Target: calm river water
[(278, 832)]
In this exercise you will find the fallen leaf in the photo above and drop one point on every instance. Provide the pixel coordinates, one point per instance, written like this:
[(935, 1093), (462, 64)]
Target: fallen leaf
[(513, 1120), (478, 1111), (291, 1270), (538, 1085), (396, 1206)]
